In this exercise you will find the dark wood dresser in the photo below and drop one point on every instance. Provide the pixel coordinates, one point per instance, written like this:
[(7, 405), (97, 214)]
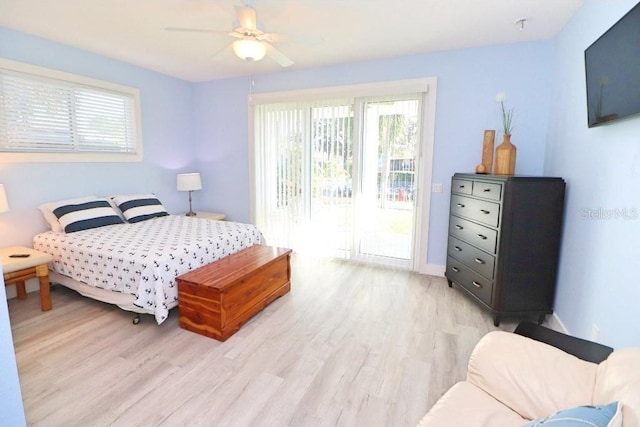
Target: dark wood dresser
[(504, 241)]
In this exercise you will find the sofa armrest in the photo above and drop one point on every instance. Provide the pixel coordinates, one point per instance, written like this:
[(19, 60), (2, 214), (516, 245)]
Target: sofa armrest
[(585, 350), (532, 378)]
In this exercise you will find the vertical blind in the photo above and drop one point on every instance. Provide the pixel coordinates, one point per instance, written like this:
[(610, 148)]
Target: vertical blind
[(279, 131), (40, 114), (303, 174)]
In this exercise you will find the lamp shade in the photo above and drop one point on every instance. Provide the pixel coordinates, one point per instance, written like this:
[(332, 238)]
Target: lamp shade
[(189, 182), (4, 206), (249, 49)]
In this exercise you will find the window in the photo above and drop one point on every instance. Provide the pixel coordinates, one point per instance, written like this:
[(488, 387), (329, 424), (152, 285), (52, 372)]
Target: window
[(47, 115)]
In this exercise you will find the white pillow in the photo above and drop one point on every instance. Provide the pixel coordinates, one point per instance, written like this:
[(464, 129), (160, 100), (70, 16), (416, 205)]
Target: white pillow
[(47, 211), (140, 207), (83, 216)]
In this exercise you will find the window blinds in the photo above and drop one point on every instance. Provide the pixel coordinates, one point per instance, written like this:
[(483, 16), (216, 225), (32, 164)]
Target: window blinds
[(303, 160), (40, 114)]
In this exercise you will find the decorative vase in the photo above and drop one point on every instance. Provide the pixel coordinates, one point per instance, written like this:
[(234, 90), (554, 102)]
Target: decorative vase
[(505, 158), (487, 150)]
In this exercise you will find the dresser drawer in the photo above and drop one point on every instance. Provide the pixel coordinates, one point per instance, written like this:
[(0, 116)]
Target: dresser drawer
[(471, 281), (462, 186), (479, 210), (473, 257), (478, 235), (487, 190)]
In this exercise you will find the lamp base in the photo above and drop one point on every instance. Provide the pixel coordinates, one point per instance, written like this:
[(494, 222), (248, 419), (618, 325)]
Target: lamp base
[(191, 213)]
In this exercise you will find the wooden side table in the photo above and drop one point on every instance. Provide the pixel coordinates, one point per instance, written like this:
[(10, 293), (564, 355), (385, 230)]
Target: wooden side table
[(210, 215), (18, 269)]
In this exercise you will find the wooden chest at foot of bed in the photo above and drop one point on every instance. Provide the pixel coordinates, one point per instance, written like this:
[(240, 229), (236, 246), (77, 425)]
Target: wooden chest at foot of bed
[(217, 299)]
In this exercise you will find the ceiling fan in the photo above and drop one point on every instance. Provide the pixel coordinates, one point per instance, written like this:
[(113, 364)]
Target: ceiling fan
[(252, 44)]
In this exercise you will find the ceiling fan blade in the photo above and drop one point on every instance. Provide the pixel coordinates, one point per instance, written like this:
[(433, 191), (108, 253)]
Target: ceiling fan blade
[(270, 37), (247, 17), (278, 56), (192, 30), (219, 51), (235, 34)]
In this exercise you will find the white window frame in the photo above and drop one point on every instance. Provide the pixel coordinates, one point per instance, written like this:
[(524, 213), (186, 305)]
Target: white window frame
[(77, 156)]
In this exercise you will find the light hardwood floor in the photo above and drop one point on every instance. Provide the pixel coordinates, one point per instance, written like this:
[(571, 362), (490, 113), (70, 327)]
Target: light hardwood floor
[(350, 345)]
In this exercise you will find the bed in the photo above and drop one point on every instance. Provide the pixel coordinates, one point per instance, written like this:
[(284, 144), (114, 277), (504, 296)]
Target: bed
[(134, 264)]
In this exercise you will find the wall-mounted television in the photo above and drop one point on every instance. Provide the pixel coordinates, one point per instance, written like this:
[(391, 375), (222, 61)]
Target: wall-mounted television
[(612, 65)]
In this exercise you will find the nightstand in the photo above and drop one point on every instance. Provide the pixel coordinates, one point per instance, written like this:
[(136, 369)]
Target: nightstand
[(18, 269), (210, 215)]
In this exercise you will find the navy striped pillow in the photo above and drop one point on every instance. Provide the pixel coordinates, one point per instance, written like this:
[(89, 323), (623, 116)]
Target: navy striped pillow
[(140, 207), (83, 216)]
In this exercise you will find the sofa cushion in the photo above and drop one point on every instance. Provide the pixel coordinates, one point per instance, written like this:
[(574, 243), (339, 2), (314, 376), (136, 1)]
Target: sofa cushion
[(582, 416), (618, 379), (532, 378), (466, 405)]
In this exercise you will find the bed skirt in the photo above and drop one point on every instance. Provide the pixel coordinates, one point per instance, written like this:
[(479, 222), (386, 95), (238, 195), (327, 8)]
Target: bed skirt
[(124, 301)]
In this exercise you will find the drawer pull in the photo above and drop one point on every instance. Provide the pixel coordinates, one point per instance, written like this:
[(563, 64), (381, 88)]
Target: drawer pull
[(456, 269), (486, 190), (479, 261), (484, 211), (460, 186), (460, 205), (476, 284), (457, 248), (459, 227), (482, 236)]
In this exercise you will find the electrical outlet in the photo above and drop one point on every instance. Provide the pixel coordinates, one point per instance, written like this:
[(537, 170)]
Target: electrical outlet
[(595, 332), (436, 188)]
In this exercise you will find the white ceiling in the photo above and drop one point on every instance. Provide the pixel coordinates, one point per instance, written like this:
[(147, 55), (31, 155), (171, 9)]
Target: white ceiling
[(350, 30)]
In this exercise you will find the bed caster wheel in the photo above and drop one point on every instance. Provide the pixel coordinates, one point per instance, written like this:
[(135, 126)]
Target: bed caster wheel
[(136, 319)]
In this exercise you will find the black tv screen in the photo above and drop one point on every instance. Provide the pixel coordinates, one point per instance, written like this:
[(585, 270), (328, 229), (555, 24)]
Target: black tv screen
[(612, 65)]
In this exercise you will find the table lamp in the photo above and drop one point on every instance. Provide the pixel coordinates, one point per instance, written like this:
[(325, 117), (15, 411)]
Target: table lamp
[(189, 182)]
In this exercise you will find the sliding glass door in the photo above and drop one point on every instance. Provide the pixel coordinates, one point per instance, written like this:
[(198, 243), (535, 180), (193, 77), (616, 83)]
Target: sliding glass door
[(337, 178), (385, 218)]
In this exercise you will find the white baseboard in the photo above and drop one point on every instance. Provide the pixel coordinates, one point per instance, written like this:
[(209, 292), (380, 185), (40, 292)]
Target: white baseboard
[(433, 270), (556, 324)]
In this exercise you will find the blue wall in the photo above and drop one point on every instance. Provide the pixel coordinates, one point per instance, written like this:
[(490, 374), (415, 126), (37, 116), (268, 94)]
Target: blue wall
[(167, 132), (11, 407), (222, 146), (598, 284)]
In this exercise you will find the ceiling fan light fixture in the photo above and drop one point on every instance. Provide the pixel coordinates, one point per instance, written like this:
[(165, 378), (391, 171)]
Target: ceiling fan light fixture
[(249, 49)]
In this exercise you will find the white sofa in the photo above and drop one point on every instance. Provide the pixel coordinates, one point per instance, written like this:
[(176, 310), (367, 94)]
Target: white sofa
[(512, 379)]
